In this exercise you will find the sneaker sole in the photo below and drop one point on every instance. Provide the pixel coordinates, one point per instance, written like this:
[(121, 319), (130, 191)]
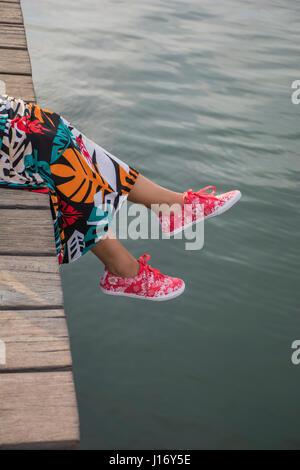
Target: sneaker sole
[(170, 296), (219, 211)]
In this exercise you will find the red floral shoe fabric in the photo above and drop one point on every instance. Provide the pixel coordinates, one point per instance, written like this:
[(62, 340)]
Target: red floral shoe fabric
[(197, 206), (148, 284)]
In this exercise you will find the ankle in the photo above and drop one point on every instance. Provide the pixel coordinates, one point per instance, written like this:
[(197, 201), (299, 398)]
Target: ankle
[(128, 269), (172, 205), (174, 199), (178, 199)]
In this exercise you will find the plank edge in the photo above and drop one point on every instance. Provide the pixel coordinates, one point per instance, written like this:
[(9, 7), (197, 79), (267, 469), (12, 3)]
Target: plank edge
[(72, 444)]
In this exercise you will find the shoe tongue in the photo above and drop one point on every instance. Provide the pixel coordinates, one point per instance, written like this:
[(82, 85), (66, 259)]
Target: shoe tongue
[(191, 196)]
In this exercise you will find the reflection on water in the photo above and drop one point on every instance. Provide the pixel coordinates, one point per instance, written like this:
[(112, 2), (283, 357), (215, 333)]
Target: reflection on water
[(191, 93)]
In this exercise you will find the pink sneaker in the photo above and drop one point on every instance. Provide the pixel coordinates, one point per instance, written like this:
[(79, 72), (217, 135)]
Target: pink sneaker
[(148, 284), (197, 206)]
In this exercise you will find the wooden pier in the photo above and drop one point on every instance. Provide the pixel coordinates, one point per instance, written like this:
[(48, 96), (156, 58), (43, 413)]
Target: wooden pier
[(38, 408)]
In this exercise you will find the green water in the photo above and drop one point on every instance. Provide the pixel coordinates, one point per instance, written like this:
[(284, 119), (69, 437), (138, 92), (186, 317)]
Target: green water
[(191, 93)]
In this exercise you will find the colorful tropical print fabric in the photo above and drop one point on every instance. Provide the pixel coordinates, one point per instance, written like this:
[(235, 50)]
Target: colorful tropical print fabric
[(41, 151)]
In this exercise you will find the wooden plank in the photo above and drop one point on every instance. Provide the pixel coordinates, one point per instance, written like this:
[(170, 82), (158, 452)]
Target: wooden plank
[(14, 62), (29, 281), (35, 339), (12, 36), (38, 410), (18, 198), (10, 12), (19, 86), (36, 227)]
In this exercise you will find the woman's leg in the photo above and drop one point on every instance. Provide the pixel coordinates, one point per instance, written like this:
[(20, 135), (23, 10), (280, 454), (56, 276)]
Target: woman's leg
[(146, 192), (166, 201), (115, 256), (110, 250), (146, 282)]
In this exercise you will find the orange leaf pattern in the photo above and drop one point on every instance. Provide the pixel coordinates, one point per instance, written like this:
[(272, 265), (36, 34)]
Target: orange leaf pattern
[(78, 174)]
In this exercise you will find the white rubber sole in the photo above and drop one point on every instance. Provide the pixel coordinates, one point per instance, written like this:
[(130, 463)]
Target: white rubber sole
[(170, 296), (218, 211)]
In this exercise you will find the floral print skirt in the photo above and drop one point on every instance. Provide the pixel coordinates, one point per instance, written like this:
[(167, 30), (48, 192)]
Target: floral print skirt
[(41, 151)]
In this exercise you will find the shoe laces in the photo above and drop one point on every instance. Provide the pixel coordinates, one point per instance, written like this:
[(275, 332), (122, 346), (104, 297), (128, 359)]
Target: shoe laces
[(148, 270), (190, 195)]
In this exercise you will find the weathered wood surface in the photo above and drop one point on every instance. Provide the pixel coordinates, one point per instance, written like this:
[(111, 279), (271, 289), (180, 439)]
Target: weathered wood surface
[(16, 62), (38, 408), (13, 198), (30, 281), (12, 36), (36, 227), (35, 339), (18, 86), (10, 12)]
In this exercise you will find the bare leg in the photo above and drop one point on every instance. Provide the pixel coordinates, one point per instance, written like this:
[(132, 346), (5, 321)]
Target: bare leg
[(115, 256), (146, 192), (109, 250)]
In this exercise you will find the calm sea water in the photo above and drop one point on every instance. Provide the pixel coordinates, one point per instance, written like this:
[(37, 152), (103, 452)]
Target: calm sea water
[(191, 93)]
